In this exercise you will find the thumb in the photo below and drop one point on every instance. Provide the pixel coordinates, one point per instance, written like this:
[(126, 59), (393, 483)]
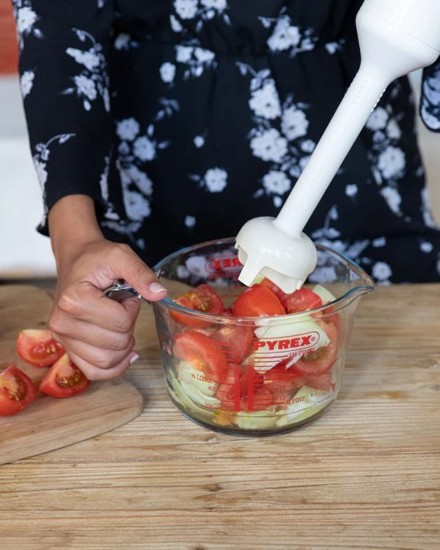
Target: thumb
[(140, 277)]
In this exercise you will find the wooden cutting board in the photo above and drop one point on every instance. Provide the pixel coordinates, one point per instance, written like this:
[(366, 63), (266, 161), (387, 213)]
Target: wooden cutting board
[(50, 423)]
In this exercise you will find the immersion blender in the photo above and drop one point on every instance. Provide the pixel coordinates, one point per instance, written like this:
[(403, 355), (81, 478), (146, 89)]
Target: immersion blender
[(395, 38)]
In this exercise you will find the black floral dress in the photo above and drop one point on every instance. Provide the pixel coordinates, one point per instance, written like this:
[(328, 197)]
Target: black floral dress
[(183, 119)]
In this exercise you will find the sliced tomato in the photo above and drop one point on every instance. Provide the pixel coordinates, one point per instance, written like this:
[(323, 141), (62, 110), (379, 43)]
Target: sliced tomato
[(203, 298), (229, 392), (38, 347), (321, 360), (300, 300), (16, 391), (244, 390), (257, 301), (64, 379), (203, 353), (283, 381), (235, 340), (322, 381)]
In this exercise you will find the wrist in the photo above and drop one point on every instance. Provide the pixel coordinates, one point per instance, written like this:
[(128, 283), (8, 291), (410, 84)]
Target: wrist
[(72, 225)]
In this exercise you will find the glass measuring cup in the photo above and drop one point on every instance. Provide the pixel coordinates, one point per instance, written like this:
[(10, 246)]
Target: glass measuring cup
[(253, 375)]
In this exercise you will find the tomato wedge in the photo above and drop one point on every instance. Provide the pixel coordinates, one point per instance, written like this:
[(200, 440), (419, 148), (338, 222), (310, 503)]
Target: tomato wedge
[(38, 347), (283, 381), (257, 301), (300, 300), (244, 390), (16, 391), (203, 298), (203, 353), (64, 379), (321, 360), (236, 341)]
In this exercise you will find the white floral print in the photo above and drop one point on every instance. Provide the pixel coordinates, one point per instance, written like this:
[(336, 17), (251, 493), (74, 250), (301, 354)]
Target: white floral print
[(190, 221), (294, 123), (378, 119), (269, 145), (40, 160), (391, 162), (276, 182), (92, 82), (265, 102), (196, 59), (124, 41), (127, 129), (351, 190), (199, 10), (199, 141), (144, 149), (288, 37), (167, 72), (430, 101), (284, 36), (87, 88), (26, 21), (381, 271), (186, 9), (270, 139), (26, 18), (26, 82), (393, 198)]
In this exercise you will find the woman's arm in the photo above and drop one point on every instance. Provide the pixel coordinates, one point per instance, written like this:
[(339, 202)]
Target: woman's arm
[(96, 331)]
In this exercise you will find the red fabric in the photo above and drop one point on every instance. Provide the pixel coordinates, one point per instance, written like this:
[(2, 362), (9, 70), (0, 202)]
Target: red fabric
[(8, 39)]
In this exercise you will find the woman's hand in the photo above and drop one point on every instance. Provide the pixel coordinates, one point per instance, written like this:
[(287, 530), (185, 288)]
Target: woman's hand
[(96, 331)]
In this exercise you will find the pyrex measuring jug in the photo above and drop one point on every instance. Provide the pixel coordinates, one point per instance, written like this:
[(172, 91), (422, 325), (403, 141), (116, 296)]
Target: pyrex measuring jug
[(254, 375)]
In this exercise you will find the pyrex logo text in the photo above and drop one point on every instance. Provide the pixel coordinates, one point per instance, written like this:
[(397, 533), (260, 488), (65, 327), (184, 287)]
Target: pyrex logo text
[(294, 342), (224, 263)]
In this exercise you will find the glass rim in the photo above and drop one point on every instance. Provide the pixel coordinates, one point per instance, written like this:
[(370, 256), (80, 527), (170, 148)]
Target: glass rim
[(366, 285)]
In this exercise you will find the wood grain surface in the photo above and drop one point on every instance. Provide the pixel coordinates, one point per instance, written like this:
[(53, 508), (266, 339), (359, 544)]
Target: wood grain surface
[(364, 476), (50, 423)]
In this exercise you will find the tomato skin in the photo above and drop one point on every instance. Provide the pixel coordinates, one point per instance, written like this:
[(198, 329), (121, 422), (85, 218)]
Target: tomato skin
[(323, 382), (236, 341), (203, 298), (257, 301), (300, 300), (320, 361), (297, 301), (17, 391), (244, 390), (283, 381), (38, 347), (203, 353), (64, 379)]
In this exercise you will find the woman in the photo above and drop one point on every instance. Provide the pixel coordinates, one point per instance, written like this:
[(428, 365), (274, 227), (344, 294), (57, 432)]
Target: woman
[(159, 124)]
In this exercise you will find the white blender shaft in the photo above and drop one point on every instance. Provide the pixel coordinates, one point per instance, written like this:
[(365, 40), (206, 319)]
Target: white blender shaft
[(395, 38)]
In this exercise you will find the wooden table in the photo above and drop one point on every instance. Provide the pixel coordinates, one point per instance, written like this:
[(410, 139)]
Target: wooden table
[(366, 475)]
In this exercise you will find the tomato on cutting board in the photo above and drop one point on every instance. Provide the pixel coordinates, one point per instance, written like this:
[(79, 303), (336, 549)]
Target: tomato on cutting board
[(16, 391), (64, 379), (38, 347), (204, 354), (257, 301), (202, 298)]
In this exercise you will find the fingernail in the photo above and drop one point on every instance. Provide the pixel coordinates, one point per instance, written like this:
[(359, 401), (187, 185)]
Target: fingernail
[(134, 357), (156, 288)]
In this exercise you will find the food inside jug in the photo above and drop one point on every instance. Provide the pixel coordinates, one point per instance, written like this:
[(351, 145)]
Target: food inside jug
[(253, 360)]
